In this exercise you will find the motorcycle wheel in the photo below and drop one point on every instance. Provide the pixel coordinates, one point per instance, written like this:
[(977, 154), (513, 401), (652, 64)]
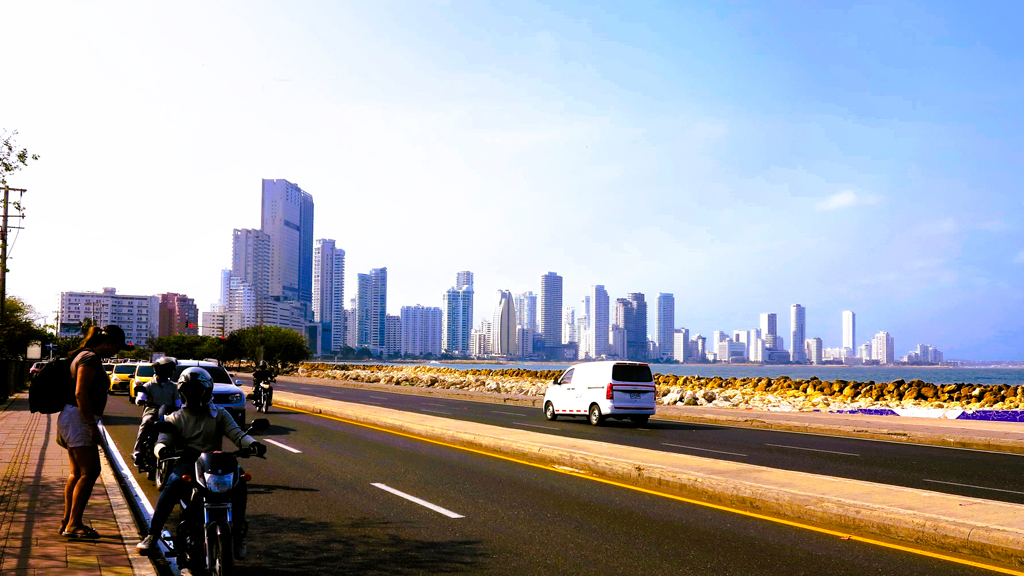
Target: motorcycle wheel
[(162, 473), (223, 553)]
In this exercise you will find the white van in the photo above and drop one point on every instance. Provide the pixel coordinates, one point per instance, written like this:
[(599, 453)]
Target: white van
[(600, 390)]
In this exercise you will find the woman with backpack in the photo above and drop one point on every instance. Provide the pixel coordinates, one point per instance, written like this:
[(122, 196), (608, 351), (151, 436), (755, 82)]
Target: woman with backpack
[(78, 423)]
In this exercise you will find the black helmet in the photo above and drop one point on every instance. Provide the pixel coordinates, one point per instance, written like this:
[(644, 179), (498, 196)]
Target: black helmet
[(195, 385), (165, 366)]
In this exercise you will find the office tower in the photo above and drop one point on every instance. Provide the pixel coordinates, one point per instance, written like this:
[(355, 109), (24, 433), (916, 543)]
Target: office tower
[(585, 309), (568, 325), (526, 310), (225, 285), (625, 315), (287, 218), (883, 348), (363, 313), (598, 321), (392, 335), (717, 337), (636, 334), (812, 347), (551, 309), (329, 291), (138, 316), (769, 324), (849, 329), (680, 344), (666, 324), (524, 342), (457, 320), (378, 308), (503, 326), (251, 259), (178, 315), (798, 334), (464, 278), (421, 330)]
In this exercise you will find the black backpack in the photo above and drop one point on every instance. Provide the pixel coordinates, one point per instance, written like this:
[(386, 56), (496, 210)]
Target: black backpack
[(52, 388)]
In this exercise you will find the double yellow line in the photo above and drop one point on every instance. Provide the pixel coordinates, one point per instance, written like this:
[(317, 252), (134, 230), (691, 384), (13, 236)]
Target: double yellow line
[(840, 535)]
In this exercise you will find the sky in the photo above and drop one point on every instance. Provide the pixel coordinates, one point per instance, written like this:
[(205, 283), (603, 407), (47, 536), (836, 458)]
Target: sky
[(741, 156)]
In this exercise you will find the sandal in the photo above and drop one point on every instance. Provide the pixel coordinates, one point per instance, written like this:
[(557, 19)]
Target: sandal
[(82, 532), (63, 527)]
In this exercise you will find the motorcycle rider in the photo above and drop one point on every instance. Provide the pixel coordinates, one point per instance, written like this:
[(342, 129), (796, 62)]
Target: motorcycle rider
[(158, 392), (261, 379), (201, 426)]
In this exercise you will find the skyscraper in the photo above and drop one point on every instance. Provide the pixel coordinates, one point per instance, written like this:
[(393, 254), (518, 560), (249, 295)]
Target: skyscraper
[(680, 345), (598, 321), (392, 335), (288, 220), (251, 260), (568, 325), (378, 308), (798, 334), (464, 278), (636, 333), (883, 348), (813, 350), (769, 324), (526, 310), (849, 330), (329, 292), (666, 325), (503, 326), (457, 320), (551, 309), (421, 330)]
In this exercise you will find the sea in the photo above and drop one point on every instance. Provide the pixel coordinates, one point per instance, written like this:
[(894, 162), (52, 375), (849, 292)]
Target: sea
[(933, 374)]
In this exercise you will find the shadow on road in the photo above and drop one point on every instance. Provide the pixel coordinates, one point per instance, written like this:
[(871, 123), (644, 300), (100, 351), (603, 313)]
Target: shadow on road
[(279, 545), (271, 488)]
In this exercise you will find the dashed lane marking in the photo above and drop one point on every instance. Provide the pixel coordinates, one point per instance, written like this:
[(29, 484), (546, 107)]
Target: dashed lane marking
[(972, 486), (704, 449), (812, 449), (285, 446), (508, 413), (435, 411), (419, 501), (535, 426)]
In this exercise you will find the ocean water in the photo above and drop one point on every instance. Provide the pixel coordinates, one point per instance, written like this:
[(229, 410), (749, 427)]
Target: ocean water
[(933, 374)]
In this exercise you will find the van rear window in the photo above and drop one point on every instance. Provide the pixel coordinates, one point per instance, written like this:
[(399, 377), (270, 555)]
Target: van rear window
[(632, 373)]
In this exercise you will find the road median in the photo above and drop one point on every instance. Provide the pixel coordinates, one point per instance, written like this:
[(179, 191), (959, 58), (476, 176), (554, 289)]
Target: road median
[(941, 522)]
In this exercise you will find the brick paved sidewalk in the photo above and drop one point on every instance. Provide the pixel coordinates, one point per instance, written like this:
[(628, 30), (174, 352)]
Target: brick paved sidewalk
[(35, 470)]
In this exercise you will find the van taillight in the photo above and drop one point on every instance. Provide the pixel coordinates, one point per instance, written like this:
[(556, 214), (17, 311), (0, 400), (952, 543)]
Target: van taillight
[(608, 392)]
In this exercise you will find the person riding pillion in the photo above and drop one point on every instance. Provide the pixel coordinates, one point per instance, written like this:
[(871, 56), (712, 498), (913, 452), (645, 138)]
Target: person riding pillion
[(160, 392), (199, 427)]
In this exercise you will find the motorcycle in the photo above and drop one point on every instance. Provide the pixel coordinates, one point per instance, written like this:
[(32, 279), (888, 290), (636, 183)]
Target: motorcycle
[(205, 538), (147, 462), (262, 395)]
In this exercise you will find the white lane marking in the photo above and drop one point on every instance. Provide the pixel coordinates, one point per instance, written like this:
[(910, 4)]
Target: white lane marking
[(279, 445), (381, 397), (436, 405), (812, 449), (704, 449), (435, 411), (973, 486), (509, 413), (411, 498), (536, 426), (371, 403)]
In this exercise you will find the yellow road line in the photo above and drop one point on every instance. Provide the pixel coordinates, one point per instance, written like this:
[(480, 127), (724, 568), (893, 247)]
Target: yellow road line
[(560, 470)]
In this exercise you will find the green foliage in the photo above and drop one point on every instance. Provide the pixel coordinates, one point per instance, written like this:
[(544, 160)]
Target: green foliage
[(189, 347), (12, 159), (21, 326), (280, 345)]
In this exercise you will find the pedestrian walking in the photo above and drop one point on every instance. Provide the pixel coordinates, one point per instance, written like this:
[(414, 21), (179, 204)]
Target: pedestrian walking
[(78, 424)]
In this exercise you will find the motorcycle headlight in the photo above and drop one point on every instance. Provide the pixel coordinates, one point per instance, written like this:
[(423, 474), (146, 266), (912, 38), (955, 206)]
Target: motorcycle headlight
[(219, 482)]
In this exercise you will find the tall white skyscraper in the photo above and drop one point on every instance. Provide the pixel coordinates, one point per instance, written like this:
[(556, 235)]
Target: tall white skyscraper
[(421, 330), (288, 220), (251, 259), (329, 291), (883, 348), (457, 320), (798, 333), (378, 308), (680, 344), (568, 325), (503, 326), (666, 325), (813, 350), (225, 286), (849, 330), (551, 309), (526, 311), (464, 278), (598, 333), (585, 310)]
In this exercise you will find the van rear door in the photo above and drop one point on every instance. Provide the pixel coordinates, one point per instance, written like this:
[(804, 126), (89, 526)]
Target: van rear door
[(632, 386)]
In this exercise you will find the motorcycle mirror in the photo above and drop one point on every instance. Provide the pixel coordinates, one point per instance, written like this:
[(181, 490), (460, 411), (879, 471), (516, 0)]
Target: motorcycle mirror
[(260, 424)]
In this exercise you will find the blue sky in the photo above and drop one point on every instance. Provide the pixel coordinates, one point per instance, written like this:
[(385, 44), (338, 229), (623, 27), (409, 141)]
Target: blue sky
[(741, 156)]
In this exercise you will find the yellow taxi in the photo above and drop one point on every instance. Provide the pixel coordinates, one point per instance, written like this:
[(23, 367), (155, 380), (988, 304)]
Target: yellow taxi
[(108, 368), (143, 374), (121, 377)]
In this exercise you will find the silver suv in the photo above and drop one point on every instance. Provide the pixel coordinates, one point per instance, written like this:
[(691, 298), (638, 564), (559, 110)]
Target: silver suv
[(226, 394)]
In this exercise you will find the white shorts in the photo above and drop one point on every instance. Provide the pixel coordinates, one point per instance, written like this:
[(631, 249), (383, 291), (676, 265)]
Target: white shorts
[(72, 431)]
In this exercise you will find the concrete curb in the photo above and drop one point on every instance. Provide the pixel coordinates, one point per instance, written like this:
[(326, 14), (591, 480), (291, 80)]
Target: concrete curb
[(126, 524), (742, 419), (948, 534)]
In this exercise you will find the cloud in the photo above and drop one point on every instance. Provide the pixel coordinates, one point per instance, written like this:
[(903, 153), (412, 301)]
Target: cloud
[(845, 199), (1019, 259)]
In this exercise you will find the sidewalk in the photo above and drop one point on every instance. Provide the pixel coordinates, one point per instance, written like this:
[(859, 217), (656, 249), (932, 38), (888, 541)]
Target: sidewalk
[(35, 470)]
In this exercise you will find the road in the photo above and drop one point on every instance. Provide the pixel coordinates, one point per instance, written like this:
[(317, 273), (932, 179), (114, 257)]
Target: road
[(321, 511), (988, 475)]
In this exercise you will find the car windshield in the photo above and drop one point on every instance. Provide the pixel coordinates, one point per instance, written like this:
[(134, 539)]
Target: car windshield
[(219, 375), (124, 369), (632, 373), (145, 371)]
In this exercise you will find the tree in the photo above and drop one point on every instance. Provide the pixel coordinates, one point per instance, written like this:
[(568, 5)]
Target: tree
[(280, 345), (21, 326), (12, 159)]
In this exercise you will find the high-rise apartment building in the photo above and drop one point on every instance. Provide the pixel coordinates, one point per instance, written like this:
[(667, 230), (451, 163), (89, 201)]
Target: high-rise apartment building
[(392, 335), (680, 344), (666, 325), (503, 326), (464, 278), (526, 311), (598, 321), (363, 313), (421, 330), (798, 334), (329, 292), (849, 330), (769, 324), (225, 284), (378, 308), (568, 325), (551, 309), (138, 316), (287, 217), (178, 315), (813, 350), (250, 259), (219, 323), (883, 348), (352, 322), (457, 320), (636, 331)]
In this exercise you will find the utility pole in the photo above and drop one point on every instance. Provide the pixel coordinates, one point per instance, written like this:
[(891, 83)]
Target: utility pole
[(3, 252)]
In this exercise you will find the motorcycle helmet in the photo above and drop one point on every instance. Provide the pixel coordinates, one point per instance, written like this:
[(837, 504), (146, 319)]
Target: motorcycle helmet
[(164, 367), (195, 386)]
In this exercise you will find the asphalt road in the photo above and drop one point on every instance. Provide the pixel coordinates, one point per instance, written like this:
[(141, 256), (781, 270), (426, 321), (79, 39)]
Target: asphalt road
[(988, 475), (332, 508)]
